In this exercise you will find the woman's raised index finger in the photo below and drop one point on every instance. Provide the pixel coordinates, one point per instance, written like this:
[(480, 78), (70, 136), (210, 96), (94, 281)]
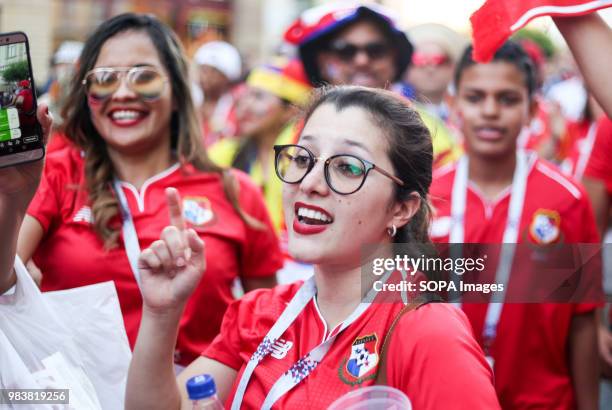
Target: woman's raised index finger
[(174, 208)]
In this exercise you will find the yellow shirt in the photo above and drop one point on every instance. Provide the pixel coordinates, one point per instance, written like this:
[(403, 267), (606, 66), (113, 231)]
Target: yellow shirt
[(445, 149), (224, 152)]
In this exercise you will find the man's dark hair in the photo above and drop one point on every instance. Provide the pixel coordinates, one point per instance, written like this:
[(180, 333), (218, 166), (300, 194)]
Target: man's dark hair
[(510, 52)]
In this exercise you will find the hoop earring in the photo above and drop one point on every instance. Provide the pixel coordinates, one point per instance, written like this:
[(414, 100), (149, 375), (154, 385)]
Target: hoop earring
[(392, 231)]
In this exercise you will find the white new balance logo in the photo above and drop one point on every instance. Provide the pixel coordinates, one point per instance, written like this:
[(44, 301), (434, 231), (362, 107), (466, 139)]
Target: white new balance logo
[(83, 215), (280, 348)]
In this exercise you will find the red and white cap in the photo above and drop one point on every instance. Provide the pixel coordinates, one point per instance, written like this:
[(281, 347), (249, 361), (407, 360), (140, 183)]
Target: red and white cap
[(316, 27)]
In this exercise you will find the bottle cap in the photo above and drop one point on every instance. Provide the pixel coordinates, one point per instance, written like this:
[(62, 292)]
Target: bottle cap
[(201, 387)]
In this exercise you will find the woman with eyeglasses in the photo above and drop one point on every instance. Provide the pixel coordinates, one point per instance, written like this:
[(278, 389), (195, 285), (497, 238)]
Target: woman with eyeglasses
[(359, 174), (132, 118)]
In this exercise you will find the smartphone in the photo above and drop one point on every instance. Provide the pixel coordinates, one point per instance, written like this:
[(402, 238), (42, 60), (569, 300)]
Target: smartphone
[(21, 138)]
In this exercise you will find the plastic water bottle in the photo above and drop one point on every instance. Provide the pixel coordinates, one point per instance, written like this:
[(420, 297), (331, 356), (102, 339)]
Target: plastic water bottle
[(203, 393)]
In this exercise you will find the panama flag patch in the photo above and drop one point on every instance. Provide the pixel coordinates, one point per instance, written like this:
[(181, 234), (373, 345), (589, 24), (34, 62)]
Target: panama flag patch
[(545, 227), (197, 211), (363, 357)]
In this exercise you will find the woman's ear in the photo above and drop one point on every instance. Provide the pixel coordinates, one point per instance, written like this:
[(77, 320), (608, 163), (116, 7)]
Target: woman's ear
[(404, 211)]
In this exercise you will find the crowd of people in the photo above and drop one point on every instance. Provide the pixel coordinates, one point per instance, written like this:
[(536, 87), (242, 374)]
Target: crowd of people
[(191, 183)]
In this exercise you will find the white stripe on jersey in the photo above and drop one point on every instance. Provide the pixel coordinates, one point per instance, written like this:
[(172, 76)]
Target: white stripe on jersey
[(558, 177)]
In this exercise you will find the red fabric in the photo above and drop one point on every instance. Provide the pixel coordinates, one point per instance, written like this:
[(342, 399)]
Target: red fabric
[(430, 348), (573, 146), (539, 131), (496, 20), (27, 111), (58, 142), (72, 255), (599, 165), (531, 348)]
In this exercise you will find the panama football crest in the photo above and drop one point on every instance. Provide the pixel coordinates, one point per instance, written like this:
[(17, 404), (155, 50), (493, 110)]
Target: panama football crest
[(362, 360), (545, 227), (197, 211)]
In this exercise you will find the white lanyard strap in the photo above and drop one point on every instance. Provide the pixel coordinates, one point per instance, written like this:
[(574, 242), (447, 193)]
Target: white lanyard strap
[(511, 232), (291, 312), (130, 237), (305, 365), (459, 200), (585, 151)]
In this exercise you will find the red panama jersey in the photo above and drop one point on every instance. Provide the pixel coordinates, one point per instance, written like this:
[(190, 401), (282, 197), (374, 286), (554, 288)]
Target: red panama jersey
[(530, 350), (71, 254), (432, 356)]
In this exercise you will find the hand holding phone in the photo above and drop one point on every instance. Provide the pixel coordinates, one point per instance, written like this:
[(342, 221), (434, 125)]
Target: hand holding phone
[(21, 136), (23, 179)]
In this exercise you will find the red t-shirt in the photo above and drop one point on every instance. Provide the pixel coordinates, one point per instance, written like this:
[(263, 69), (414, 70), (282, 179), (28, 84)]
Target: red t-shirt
[(432, 356), (600, 165), (72, 255), (531, 347), (576, 149), (27, 113), (58, 141)]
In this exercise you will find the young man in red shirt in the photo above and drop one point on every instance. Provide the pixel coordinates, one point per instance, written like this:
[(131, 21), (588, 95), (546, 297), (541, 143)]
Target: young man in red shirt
[(544, 355)]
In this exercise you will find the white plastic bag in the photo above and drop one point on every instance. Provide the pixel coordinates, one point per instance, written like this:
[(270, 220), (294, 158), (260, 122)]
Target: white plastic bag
[(68, 339)]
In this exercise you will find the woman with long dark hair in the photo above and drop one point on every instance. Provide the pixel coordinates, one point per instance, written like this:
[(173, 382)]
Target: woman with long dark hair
[(132, 121)]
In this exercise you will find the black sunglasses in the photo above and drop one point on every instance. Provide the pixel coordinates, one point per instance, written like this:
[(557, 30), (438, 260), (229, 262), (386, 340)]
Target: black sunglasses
[(347, 51)]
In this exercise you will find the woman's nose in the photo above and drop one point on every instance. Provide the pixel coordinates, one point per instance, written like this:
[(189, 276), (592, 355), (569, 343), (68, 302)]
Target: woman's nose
[(314, 182)]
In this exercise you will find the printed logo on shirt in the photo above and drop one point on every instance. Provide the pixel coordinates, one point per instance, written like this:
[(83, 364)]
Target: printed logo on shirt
[(280, 348), (83, 215), (545, 227), (363, 358), (197, 210)]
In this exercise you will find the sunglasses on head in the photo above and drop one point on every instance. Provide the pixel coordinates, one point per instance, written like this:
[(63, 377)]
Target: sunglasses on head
[(435, 60), (100, 83), (347, 51)]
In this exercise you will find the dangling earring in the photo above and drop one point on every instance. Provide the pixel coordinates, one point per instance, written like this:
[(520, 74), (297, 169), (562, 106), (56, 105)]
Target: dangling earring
[(392, 231)]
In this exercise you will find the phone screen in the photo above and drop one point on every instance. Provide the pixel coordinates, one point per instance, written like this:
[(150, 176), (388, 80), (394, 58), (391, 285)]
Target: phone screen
[(19, 129)]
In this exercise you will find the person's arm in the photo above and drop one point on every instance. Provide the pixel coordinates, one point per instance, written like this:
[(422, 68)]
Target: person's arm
[(600, 201), (30, 235), (590, 40), (584, 360), (19, 101), (11, 214), (170, 270), (153, 355), (17, 187), (224, 377)]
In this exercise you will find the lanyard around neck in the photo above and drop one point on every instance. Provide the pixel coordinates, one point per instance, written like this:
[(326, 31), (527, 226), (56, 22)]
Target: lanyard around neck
[(511, 231), (130, 237), (305, 365)]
